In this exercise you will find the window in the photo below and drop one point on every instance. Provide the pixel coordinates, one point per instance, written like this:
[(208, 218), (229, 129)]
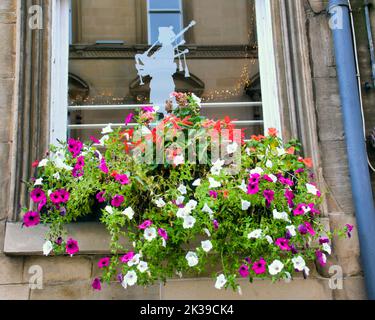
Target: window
[(163, 13)]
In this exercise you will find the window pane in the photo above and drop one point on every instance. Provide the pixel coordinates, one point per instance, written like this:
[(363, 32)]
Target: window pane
[(165, 4), (163, 20)]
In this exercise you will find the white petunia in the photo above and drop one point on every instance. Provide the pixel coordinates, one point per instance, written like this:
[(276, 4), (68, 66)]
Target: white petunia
[(49, 192), (150, 234), (232, 148), (287, 277), (269, 239), (207, 245), (189, 222), (281, 152), (292, 230), (130, 279), (312, 189), (269, 164), (107, 129), (163, 242), (134, 261), (103, 140), (180, 200), (38, 182), (182, 189), (220, 282), (160, 203), (182, 213), (217, 167), (178, 160), (213, 183), (275, 267), (243, 186), (129, 212), (47, 248), (191, 205), (208, 210), (257, 170), (281, 216), (256, 234), (109, 209), (56, 176), (207, 232), (327, 248), (43, 163), (307, 271), (245, 205), (273, 178), (197, 183), (142, 266), (192, 259), (299, 263)]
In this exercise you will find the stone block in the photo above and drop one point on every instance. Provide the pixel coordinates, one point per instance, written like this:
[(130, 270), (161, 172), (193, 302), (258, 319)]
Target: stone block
[(7, 49), (6, 99), (353, 289), (10, 270), (347, 251), (2, 235), (4, 179), (59, 269), (14, 292), (82, 290), (8, 5), (203, 289)]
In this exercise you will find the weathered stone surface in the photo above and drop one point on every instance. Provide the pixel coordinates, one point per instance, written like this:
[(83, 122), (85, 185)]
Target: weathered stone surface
[(82, 291), (203, 289), (4, 179), (6, 98), (353, 289), (347, 251), (14, 292), (8, 5), (59, 269), (2, 235), (7, 48), (10, 270)]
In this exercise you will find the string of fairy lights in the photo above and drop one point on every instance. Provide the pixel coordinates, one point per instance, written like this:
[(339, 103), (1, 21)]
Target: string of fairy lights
[(107, 97)]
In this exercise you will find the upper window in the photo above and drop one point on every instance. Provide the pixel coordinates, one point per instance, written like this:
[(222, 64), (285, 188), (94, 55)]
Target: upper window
[(163, 13)]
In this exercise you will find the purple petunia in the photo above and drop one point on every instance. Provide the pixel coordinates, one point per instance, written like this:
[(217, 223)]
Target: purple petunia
[(163, 233), (96, 285), (244, 271), (117, 200), (31, 219), (269, 195), (37, 195), (100, 197), (71, 247)]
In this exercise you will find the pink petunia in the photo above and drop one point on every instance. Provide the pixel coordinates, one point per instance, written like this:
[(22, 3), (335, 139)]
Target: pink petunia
[(104, 262), (127, 257), (100, 197), (103, 166), (129, 118), (259, 267), (145, 225), (163, 234), (71, 247), (37, 195), (252, 188), (244, 271), (55, 197), (64, 195), (96, 285), (117, 201), (122, 178), (283, 244), (31, 219)]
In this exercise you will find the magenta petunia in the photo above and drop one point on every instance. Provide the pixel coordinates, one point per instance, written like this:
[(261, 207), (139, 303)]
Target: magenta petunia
[(269, 195), (300, 210), (80, 162), (42, 204), (77, 172), (55, 197), (213, 194), (283, 244), (64, 195), (321, 258), (37, 195), (31, 219), (104, 262), (216, 224), (127, 257), (94, 140), (100, 197), (96, 284), (259, 267), (123, 179), (117, 200), (252, 188), (286, 181), (349, 228), (267, 178), (103, 166), (254, 178), (129, 118), (71, 247), (148, 109), (145, 225), (244, 271), (309, 228), (289, 195), (163, 233), (75, 147)]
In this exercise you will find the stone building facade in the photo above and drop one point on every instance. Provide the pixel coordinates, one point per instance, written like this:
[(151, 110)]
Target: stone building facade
[(309, 110)]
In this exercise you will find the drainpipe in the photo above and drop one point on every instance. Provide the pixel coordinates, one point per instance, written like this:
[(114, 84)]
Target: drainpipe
[(355, 141), (370, 41)]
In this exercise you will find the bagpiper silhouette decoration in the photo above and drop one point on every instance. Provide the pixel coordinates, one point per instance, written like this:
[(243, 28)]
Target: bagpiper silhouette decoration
[(161, 66)]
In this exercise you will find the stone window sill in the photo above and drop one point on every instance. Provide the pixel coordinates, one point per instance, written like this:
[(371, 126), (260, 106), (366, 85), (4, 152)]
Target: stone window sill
[(92, 238)]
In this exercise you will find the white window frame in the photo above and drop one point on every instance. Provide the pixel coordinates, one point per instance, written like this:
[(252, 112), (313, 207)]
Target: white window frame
[(60, 66)]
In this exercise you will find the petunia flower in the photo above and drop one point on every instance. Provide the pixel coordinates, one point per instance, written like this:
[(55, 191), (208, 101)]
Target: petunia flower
[(216, 224), (269, 195), (299, 263), (122, 178), (127, 257), (213, 194), (94, 140), (129, 118), (245, 205), (145, 225), (244, 271), (31, 219), (150, 234), (220, 282), (160, 203), (163, 233), (100, 197), (64, 195), (252, 188), (96, 284), (309, 228), (129, 212), (142, 266), (103, 166), (256, 234), (213, 183), (130, 279), (37, 195), (104, 262), (189, 222), (206, 245), (322, 259), (275, 267), (259, 267), (192, 259), (71, 247), (117, 200), (283, 244)]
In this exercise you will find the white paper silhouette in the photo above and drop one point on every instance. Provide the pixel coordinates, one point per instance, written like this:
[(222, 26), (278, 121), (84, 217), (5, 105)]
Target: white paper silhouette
[(161, 65)]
